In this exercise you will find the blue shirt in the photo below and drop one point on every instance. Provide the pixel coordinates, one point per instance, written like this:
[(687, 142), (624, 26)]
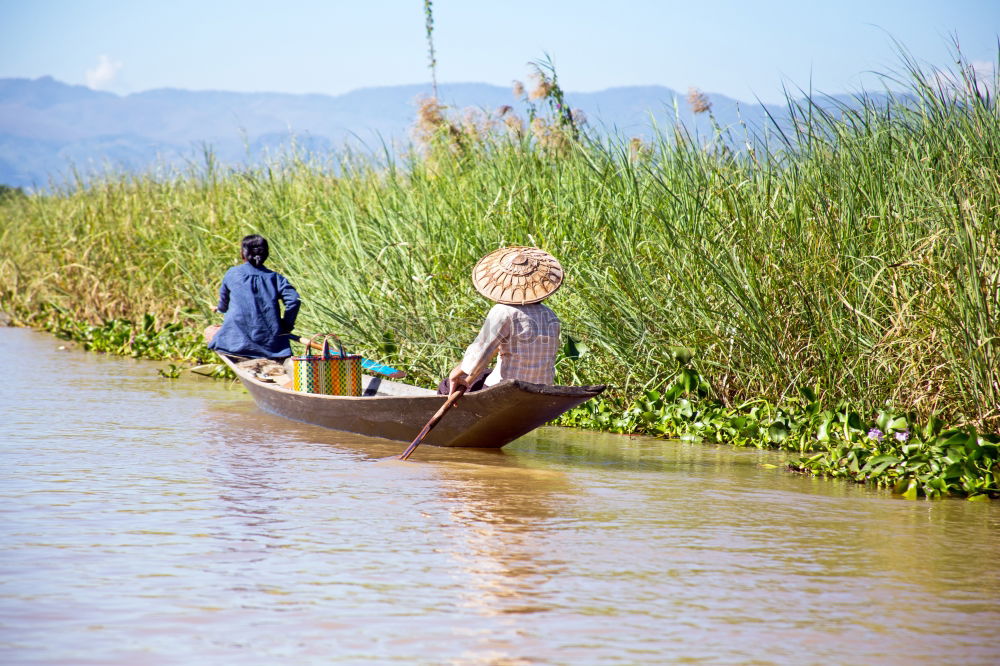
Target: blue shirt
[(253, 325)]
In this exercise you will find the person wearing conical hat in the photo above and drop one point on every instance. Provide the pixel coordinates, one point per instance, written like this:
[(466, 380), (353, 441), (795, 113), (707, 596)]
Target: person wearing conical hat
[(523, 331)]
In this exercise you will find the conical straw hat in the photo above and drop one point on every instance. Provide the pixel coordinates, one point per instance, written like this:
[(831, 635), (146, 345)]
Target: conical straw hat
[(517, 275)]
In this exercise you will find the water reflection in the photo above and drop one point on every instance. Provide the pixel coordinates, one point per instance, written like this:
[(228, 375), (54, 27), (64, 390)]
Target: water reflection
[(501, 514), (495, 506)]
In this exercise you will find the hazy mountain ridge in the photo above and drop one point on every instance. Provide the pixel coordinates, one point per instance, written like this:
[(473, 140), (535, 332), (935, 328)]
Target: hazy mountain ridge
[(48, 127)]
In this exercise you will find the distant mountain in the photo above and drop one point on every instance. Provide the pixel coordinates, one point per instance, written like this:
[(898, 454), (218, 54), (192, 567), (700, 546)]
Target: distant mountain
[(48, 129)]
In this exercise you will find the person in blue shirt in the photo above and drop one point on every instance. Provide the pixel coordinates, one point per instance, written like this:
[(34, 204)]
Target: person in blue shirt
[(254, 325)]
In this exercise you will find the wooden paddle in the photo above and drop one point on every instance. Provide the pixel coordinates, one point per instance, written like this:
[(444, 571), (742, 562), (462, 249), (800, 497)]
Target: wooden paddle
[(366, 363), (452, 399)]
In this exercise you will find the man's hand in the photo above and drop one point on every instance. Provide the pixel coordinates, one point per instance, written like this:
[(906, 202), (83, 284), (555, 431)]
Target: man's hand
[(457, 378)]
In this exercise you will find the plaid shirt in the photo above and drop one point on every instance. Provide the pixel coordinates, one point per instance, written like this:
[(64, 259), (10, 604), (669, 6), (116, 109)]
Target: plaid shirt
[(527, 337)]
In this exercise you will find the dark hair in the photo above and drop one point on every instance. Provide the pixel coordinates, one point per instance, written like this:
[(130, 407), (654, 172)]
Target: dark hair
[(255, 249)]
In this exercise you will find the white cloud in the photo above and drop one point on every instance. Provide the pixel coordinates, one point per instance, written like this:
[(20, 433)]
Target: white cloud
[(104, 74)]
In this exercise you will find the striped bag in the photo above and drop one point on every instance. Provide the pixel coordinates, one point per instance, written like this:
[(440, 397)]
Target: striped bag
[(332, 374)]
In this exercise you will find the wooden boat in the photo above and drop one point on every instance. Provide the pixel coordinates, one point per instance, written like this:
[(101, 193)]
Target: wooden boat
[(393, 410)]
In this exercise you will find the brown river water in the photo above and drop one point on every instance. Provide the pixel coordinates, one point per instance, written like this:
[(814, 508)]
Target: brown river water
[(153, 521)]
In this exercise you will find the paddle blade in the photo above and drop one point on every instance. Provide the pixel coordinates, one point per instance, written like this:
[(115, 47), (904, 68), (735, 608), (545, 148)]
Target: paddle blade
[(452, 399)]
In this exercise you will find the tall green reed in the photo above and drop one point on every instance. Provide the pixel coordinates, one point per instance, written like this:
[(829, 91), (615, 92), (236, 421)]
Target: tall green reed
[(852, 249)]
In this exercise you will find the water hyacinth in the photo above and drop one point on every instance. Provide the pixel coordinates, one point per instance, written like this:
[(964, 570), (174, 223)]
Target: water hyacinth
[(833, 442)]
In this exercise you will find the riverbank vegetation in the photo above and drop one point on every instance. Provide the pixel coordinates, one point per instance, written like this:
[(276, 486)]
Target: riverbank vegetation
[(829, 285)]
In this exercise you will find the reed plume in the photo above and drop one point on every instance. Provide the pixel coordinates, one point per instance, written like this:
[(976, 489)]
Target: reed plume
[(698, 101), (432, 125), (638, 150), (543, 87)]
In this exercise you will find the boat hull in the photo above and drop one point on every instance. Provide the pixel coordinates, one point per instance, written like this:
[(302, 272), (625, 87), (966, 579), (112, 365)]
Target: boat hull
[(489, 418)]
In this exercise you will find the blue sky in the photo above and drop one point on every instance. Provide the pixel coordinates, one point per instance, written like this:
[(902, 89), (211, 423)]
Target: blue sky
[(741, 49)]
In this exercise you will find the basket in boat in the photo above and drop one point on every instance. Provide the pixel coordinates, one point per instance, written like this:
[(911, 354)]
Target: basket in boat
[(331, 374)]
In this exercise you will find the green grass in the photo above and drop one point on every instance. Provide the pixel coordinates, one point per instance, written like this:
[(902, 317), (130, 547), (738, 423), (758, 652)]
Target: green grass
[(857, 254)]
